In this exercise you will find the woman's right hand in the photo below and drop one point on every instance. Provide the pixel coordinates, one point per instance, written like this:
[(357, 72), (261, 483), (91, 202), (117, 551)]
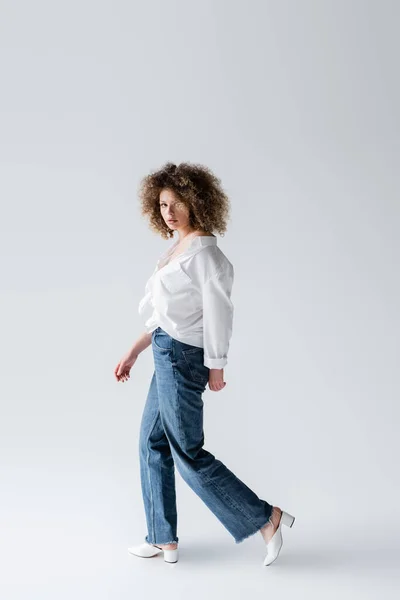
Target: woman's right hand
[(122, 370)]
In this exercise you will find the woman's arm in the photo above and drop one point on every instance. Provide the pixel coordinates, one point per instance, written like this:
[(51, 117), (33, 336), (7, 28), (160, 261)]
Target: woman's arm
[(122, 370), (141, 344), (217, 318)]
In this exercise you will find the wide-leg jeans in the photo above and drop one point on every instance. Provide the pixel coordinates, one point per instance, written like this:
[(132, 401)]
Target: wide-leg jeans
[(171, 435)]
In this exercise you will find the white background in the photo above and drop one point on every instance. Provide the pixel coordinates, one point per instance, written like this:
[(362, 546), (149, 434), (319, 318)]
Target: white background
[(294, 105)]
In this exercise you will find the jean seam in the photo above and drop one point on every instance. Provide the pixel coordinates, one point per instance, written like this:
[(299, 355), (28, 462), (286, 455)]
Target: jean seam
[(149, 471), (181, 436)]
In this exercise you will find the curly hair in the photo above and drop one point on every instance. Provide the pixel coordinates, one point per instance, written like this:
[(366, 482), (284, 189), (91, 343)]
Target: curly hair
[(196, 187)]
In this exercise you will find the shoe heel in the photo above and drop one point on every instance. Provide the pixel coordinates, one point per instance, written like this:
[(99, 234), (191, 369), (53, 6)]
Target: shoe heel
[(287, 519), (171, 556)]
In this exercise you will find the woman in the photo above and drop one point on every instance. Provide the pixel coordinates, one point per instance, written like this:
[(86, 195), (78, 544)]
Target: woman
[(189, 325)]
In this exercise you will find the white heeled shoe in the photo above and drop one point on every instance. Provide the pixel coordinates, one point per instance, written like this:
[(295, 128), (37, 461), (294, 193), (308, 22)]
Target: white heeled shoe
[(147, 550), (275, 543)]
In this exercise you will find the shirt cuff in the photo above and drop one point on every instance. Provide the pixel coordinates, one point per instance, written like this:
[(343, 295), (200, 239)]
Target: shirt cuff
[(215, 363)]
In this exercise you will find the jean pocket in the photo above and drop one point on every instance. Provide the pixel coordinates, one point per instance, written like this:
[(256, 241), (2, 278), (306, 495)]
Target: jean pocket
[(194, 359), (161, 340)]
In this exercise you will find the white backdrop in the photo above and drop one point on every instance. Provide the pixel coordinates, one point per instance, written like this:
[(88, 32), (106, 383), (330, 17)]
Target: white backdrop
[(294, 105)]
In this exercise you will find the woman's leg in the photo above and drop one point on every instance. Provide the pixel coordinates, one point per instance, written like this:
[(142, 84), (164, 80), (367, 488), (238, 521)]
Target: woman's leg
[(157, 473), (181, 380)]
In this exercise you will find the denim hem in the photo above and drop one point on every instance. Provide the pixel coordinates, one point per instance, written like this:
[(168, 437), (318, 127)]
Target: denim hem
[(162, 543), (239, 540)]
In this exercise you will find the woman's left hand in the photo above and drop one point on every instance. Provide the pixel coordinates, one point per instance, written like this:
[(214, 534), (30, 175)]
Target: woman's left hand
[(216, 380)]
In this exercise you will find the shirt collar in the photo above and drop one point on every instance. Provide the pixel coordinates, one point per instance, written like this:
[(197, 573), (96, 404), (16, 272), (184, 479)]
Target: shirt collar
[(196, 244), (198, 241), (202, 240)]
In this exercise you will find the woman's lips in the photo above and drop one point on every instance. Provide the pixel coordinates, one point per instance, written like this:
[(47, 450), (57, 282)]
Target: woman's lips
[(172, 220)]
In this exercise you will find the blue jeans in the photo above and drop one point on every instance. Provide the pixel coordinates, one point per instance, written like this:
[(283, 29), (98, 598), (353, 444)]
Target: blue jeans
[(171, 434)]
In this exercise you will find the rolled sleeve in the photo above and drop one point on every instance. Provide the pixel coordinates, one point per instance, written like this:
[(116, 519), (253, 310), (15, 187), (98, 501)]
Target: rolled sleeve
[(217, 318)]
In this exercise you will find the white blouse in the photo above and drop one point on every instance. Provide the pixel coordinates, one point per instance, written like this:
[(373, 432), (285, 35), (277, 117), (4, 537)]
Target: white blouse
[(190, 298)]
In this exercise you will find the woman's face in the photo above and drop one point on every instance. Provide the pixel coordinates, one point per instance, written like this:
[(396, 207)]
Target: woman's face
[(173, 211)]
